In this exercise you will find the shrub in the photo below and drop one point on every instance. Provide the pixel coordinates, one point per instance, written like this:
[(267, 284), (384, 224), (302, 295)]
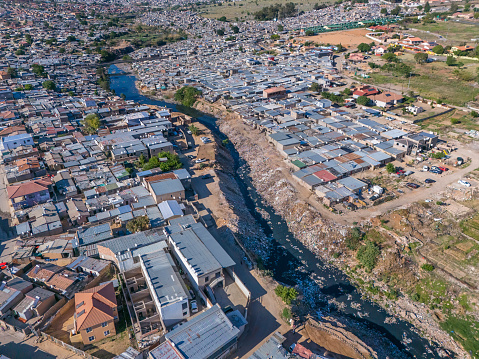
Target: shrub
[(354, 238), (455, 121), (367, 255), (286, 314), (390, 168), (287, 294), (427, 267), (91, 123)]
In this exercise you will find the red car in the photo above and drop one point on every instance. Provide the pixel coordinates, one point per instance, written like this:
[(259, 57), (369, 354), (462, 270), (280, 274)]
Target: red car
[(3, 265), (400, 172), (444, 169)]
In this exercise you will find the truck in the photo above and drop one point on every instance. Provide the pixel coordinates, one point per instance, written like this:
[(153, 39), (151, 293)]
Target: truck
[(378, 189)]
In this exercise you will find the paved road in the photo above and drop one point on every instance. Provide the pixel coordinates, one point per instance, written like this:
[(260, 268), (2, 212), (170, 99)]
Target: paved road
[(16, 347)]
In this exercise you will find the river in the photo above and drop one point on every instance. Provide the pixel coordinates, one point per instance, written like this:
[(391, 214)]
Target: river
[(289, 254)]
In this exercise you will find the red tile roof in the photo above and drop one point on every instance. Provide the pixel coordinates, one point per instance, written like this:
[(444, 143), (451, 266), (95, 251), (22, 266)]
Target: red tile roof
[(97, 307), (23, 189)]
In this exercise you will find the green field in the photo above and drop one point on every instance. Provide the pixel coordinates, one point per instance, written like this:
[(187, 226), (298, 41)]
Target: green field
[(244, 9), (452, 31), (433, 80), (470, 227)]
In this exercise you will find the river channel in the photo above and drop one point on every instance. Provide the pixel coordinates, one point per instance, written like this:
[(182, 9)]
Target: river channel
[(289, 254)]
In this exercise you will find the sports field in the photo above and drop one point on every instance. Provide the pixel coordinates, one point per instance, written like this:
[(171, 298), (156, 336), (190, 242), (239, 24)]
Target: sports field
[(347, 38)]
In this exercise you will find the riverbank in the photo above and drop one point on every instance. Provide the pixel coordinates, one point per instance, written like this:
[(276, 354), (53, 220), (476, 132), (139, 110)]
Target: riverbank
[(323, 236), (325, 289)]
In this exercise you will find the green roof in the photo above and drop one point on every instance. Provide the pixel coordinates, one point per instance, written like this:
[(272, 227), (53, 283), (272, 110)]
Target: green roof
[(299, 164)]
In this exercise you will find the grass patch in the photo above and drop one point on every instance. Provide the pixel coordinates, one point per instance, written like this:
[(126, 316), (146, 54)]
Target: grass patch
[(470, 227), (464, 331), (454, 32)]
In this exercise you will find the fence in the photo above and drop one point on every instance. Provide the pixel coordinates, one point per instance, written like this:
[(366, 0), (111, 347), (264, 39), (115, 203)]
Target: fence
[(67, 346)]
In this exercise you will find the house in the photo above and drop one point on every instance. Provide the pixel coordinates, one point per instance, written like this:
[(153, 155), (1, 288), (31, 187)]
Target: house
[(9, 298), (77, 211), (57, 278), (415, 110), (14, 141), (89, 265), (462, 48), (170, 209), (387, 99), (365, 90), (166, 287), (96, 313), (356, 57), (28, 194), (35, 304), (210, 335), (4, 75), (379, 50), (273, 348), (166, 190), (199, 254), (412, 41), (274, 92)]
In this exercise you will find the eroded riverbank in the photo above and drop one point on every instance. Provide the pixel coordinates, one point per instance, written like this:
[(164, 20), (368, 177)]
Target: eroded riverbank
[(275, 222)]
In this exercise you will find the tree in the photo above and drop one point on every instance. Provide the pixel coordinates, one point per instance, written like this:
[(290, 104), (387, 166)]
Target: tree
[(474, 114), (384, 11), (368, 254), (390, 168), (354, 238), (39, 70), (315, 87), (275, 37), (194, 130), (427, 267), (28, 39), (223, 18), (19, 52), (362, 100), (71, 38), (28, 87), (187, 95), (421, 57), (363, 47), (235, 29), (420, 7), (438, 49), (390, 57), (49, 85), (220, 32), (396, 11), (91, 123), (450, 61), (427, 7), (138, 224), (12, 72), (309, 33), (347, 91), (287, 294), (280, 27)]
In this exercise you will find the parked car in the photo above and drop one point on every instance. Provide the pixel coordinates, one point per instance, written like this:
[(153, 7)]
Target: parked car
[(206, 176), (444, 169), (464, 183), (425, 168), (412, 185), (428, 180), (400, 172), (188, 132), (374, 197), (436, 171), (200, 160), (194, 306), (408, 173)]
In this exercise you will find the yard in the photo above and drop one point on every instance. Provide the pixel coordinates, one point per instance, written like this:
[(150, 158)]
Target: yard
[(434, 80), (452, 32)]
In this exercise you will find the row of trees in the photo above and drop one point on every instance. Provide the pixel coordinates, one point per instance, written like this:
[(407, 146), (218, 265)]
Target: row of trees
[(172, 162), (276, 11)]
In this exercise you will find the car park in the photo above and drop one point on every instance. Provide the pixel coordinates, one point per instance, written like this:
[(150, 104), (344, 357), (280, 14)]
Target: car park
[(428, 180), (464, 183), (412, 185)]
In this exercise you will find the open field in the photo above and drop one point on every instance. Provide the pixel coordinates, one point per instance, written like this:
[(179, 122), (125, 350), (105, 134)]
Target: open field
[(433, 80), (244, 9), (452, 31), (348, 38)]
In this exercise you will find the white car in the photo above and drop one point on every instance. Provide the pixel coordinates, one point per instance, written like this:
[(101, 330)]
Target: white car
[(200, 160), (464, 183), (194, 306), (425, 168)]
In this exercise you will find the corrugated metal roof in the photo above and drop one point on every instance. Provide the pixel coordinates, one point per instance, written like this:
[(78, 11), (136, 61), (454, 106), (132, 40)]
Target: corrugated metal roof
[(204, 335)]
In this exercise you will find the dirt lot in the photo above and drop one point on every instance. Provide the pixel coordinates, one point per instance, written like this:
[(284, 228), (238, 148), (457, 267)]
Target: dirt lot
[(348, 38)]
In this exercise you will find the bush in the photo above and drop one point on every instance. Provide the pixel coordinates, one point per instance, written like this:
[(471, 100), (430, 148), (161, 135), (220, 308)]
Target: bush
[(474, 114), (49, 85), (286, 314), (194, 130), (91, 123), (427, 267), (362, 100), (455, 121), (287, 294), (368, 254), (138, 224), (390, 168), (172, 162), (354, 238), (363, 47), (187, 95)]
